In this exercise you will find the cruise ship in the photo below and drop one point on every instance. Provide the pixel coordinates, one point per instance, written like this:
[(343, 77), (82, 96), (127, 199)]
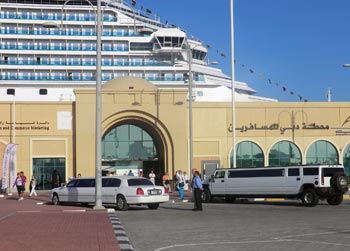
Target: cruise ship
[(48, 49)]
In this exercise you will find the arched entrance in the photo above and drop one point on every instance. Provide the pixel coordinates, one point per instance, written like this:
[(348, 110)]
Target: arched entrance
[(133, 145)]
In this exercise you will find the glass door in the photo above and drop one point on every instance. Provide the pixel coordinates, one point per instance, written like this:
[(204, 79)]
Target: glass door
[(49, 172)]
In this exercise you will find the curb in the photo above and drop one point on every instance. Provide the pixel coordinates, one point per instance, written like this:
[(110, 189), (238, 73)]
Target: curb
[(119, 232)]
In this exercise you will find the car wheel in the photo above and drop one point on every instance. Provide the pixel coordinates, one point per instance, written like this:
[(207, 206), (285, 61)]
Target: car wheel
[(206, 196), (153, 205), (55, 200), (230, 199), (335, 200), (339, 182), (309, 198), (121, 203)]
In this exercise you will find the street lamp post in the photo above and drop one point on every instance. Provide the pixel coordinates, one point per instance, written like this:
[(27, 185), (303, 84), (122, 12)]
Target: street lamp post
[(233, 86), (190, 83), (98, 133), (98, 120)]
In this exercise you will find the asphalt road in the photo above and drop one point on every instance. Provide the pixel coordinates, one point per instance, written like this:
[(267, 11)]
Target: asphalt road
[(244, 226)]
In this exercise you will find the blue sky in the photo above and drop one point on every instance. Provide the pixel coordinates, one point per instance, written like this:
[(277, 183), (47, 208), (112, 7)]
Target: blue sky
[(290, 50)]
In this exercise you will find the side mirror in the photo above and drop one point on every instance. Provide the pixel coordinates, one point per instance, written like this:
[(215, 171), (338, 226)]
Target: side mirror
[(212, 178)]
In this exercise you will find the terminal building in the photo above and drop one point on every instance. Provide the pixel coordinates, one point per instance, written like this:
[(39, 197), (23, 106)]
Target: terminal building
[(146, 128), (47, 100)]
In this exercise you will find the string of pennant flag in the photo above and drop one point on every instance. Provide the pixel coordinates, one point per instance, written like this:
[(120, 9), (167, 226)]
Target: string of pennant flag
[(251, 70)]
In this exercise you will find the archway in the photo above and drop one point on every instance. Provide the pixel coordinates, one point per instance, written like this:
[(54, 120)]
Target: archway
[(285, 153), (248, 154), (322, 152), (133, 145)]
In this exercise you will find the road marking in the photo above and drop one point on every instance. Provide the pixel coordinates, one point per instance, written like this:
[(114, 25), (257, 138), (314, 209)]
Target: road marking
[(311, 234), (30, 211), (7, 216), (216, 243), (74, 210)]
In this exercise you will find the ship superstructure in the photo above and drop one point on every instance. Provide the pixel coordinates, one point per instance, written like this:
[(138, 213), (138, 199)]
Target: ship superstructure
[(48, 48)]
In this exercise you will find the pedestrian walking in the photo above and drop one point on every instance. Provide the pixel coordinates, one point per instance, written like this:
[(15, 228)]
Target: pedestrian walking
[(197, 187), (19, 183), (32, 185), (180, 184)]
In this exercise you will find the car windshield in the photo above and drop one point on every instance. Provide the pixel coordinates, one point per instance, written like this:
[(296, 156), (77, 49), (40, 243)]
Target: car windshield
[(139, 182)]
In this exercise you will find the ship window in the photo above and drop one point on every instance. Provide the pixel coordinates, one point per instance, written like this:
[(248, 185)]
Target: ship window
[(70, 76), (141, 46), (43, 92), (11, 92)]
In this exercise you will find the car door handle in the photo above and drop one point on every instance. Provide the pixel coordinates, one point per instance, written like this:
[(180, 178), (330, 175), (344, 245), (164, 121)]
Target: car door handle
[(222, 180), (298, 178)]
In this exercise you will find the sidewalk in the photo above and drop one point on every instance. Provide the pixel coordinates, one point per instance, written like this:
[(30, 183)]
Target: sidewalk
[(33, 224)]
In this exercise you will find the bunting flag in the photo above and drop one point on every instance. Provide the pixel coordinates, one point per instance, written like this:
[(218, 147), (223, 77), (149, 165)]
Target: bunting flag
[(223, 55), (269, 80)]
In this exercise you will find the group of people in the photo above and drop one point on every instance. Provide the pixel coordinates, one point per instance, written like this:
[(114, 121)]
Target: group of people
[(182, 184), (20, 184)]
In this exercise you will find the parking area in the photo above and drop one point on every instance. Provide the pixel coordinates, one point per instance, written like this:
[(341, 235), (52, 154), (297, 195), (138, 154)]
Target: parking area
[(248, 225)]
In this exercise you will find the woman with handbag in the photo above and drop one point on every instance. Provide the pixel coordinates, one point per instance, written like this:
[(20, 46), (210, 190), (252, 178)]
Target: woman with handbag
[(180, 184)]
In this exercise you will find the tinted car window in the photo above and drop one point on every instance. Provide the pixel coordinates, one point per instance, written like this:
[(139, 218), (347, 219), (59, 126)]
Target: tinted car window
[(86, 183), (72, 183), (293, 172), (328, 172), (310, 171), (256, 173), (220, 174), (111, 182), (140, 182)]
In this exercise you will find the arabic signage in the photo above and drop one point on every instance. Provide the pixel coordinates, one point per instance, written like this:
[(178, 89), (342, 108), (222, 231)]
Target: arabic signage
[(25, 126), (282, 129)]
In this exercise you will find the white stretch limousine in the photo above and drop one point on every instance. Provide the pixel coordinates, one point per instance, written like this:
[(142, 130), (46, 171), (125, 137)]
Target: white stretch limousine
[(308, 183), (120, 191)]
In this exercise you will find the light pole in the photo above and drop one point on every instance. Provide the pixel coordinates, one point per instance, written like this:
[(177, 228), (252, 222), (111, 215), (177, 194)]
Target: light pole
[(233, 86), (190, 82), (98, 120), (98, 133)]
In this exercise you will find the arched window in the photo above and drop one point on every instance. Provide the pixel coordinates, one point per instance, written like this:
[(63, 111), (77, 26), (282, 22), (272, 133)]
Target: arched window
[(322, 152), (128, 142), (346, 159), (248, 154), (284, 153)]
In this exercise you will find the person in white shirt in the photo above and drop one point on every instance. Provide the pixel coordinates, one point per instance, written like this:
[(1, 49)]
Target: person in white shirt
[(152, 177), (33, 184)]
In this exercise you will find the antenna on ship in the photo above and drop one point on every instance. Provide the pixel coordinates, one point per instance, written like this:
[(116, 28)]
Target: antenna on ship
[(329, 95)]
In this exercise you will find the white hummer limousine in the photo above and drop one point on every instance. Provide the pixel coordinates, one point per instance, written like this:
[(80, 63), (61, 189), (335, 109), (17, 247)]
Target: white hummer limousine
[(308, 183)]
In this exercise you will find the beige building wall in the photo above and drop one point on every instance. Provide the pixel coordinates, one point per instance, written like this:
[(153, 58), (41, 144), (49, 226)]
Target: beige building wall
[(41, 130), (137, 101), (66, 129), (267, 123)]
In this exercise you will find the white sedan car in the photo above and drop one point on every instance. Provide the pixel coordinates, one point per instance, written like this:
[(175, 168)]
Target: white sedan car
[(120, 191)]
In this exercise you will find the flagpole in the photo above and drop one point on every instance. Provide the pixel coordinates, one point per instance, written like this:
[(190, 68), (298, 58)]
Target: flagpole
[(233, 86)]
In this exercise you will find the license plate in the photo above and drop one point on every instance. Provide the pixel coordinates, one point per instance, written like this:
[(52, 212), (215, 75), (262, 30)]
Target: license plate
[(154, 192)]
